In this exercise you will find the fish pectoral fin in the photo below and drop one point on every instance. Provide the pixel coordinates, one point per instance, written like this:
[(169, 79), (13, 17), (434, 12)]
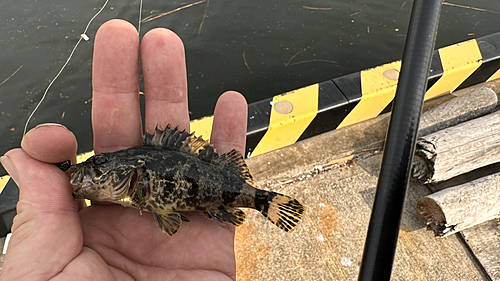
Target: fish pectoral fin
[(231, 216), (169, 223)]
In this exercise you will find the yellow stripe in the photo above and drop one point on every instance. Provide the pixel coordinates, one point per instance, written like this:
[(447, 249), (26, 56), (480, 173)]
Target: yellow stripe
[(495, 75), (459, 61), (291, 113), (84, 156), (3, 182), (202, 127), (378, 90)]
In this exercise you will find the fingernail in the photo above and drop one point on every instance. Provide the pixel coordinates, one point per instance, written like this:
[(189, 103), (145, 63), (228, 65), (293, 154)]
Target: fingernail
[(9, 166), (49, 125)]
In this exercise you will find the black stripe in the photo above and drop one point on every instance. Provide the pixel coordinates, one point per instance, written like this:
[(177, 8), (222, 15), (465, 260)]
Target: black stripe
[(262, 199), (436, 70), (480, 75), (489, 46), (259, 116), (350, 86), (333, 107)]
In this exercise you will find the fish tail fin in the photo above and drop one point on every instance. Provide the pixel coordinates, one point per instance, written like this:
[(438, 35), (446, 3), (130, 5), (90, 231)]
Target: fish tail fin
[(284, 211)]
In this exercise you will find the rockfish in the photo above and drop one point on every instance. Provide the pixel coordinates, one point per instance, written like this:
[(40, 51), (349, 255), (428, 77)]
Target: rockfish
[(173, 172)]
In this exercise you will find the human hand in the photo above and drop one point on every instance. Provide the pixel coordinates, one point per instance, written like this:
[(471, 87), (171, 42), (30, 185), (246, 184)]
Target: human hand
[(55, 238)]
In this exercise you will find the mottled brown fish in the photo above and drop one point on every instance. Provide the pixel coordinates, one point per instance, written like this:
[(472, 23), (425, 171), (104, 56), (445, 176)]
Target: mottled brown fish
[(174, 171)]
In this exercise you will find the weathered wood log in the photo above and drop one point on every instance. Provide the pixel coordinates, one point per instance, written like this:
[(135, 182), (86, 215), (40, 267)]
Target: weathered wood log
[(462, 206), (458, 149), (469, 106)]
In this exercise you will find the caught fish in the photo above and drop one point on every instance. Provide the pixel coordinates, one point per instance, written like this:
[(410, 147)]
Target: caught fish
[(173, 172)]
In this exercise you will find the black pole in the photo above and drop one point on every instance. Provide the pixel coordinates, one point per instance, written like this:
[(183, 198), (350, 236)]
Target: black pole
[(383, 230)]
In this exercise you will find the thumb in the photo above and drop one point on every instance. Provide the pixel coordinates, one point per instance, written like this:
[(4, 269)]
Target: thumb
[(46, 232)]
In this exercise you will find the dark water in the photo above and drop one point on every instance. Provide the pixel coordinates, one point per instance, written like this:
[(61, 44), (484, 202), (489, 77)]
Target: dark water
[(260, 48)]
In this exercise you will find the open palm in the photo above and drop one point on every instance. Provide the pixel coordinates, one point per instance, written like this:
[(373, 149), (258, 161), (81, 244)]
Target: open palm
[(56, 238)]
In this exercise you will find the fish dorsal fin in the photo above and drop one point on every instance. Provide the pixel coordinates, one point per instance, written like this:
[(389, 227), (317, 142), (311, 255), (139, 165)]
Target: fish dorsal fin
[(159, 137), (181, 140), (234, 161), (175, 139), (196, 144)]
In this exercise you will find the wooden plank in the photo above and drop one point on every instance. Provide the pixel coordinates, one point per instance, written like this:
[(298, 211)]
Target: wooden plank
[(484, 241), (464, 178), (460, 207), (458, 149)]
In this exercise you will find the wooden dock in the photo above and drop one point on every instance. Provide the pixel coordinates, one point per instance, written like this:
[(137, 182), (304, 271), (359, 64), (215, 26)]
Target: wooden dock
[(335, 175)]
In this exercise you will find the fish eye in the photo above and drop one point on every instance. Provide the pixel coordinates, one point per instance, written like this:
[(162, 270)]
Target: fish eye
[(100, 159)]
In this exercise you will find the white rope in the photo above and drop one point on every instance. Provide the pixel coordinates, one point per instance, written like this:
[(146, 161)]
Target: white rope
[(140, 19), (82, 36)]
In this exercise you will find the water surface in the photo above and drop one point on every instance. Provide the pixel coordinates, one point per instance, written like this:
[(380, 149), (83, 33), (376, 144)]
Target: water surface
[(259, 48)]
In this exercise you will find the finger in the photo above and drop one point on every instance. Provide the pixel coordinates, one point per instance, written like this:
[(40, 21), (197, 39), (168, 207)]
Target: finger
[(165, 83), (50, 143), (46, 232), (116, 118), (230, 123)]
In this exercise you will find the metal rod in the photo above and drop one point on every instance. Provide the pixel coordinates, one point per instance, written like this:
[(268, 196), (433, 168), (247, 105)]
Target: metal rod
[(383, 230)]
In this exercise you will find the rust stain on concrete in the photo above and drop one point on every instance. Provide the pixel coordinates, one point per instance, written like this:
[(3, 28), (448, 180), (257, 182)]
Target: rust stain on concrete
[(328, 221), (250, 252)]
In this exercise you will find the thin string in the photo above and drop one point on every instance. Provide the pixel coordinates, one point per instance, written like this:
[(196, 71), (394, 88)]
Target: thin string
[(82, 36), (140, 19)]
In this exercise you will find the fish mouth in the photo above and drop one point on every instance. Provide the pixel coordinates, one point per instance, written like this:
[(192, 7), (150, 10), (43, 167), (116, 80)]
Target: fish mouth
[(83, 187), (82, 178)]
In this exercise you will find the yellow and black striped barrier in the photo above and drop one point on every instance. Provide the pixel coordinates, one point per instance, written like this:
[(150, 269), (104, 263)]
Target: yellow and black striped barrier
[(284, 119), (315, 109)]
